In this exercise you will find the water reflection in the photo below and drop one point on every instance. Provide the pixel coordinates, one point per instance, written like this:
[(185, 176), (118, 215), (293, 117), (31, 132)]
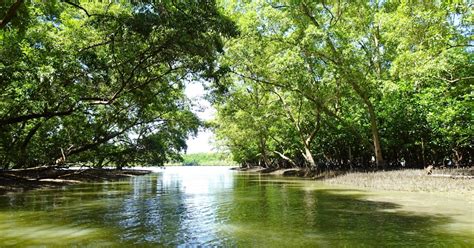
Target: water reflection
[(213, 206)]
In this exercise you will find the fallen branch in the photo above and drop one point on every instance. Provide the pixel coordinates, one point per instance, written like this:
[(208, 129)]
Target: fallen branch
[(73, 173)]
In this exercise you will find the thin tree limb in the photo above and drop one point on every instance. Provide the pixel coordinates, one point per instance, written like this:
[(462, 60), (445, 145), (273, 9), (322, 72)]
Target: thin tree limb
[(78, 6)]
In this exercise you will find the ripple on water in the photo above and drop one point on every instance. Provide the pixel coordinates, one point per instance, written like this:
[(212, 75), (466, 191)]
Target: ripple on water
[(199, 206)]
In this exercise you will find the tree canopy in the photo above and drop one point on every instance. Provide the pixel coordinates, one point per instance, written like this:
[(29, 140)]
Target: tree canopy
[(103, 83), (315, 84), (338, 84)]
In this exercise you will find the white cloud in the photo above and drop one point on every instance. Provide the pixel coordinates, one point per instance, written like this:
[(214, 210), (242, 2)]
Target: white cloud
[(204, 139), (201, 143)]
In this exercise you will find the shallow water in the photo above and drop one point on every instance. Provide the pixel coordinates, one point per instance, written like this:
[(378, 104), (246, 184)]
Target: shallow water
[(213, 206)]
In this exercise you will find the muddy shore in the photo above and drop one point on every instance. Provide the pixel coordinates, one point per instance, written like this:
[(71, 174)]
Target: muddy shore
[(44, 177), (413, 180)]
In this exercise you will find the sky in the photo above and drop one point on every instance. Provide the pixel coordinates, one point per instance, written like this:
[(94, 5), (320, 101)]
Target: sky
[(203, 141)]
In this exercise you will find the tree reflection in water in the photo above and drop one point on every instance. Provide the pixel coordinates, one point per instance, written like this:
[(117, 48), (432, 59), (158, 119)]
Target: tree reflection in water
[(214, 206)]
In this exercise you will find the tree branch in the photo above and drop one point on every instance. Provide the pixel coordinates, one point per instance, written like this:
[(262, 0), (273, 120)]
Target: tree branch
[(78, 6), (286, 158), (46, 114), (10, 13)]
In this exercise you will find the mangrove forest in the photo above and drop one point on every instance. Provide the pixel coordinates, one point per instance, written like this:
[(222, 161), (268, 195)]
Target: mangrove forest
[(336, 123)]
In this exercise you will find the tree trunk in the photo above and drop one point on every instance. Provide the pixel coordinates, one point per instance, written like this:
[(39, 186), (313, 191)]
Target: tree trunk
[(380, 162), (100, 163), (305, 140), (286, 158), (375, 136), (263, 150), (423, 152), (309, 157), (22, 156), (342, 63), (10, 13)]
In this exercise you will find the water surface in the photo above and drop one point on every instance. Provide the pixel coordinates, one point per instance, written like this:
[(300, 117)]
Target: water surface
[(213, 206)]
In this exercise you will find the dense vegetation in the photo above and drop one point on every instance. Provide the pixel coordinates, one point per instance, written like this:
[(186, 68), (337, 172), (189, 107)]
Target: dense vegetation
[(102, 83), (344, 84), (205, 158), (314, 84)]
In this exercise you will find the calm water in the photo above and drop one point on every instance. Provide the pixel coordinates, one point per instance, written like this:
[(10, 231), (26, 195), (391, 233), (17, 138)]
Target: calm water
[(188, 206)]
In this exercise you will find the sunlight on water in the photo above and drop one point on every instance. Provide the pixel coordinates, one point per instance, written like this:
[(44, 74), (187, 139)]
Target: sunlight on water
[(213, 206)]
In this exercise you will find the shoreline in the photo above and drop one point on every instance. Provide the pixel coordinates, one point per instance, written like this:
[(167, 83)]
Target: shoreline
[(22, 180), (408, 180)]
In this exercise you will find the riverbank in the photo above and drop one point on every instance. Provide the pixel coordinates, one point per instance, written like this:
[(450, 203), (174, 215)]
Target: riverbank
[(409, 180), (413, 180), (47, 177)]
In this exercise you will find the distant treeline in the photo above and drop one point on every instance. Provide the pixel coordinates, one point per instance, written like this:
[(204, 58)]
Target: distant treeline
[(205, 158)]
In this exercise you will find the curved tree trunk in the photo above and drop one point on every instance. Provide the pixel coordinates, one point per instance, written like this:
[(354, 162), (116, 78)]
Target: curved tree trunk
[(309, 157), (22, 153)]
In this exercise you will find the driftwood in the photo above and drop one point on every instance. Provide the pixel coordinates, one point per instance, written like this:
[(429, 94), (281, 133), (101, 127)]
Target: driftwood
[(429, 169), (80, 171), (52, 180)]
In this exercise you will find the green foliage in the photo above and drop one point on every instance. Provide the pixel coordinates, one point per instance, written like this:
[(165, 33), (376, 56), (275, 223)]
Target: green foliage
[(103, 83), (329, 84), (317, 84), (204, 159)]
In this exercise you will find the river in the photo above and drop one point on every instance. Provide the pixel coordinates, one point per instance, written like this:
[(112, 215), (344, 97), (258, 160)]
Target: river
[(214, 206)]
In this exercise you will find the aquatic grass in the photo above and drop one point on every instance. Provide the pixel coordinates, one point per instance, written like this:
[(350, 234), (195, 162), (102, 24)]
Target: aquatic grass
[(406, 180)]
